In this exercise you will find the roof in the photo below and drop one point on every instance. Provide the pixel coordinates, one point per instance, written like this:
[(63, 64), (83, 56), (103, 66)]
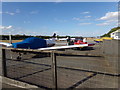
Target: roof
[(116, 31)]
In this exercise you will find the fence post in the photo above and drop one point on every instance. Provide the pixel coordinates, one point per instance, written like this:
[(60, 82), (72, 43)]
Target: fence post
[(54, 69), (4, 69)]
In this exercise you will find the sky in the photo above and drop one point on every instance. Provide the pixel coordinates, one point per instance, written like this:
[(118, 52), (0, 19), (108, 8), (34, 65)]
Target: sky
[(64, 18)]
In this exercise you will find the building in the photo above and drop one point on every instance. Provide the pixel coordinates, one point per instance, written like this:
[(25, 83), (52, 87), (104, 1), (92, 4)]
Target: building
[(116, 34)]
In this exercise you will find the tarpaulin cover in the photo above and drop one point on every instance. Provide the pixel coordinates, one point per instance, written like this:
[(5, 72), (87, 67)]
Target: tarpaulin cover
[(31, 43)]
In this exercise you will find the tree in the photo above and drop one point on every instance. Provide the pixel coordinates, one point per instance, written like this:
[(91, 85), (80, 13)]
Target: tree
[(112, 30)]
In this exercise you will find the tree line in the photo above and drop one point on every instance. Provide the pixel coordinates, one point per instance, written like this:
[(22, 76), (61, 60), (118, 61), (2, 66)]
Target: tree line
[(22, 37), (112, 30)]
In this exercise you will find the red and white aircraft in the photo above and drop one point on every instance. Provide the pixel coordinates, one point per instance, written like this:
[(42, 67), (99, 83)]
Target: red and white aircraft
[(49, 44)]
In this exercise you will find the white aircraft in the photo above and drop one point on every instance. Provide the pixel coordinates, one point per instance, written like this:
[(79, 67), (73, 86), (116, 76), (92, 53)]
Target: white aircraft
[(40, 44), (62, 39), (63, 47), (5, 44), (48, 48), (50, 43)]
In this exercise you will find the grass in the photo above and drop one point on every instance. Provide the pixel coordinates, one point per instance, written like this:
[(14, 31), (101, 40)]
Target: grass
[(13, 41)]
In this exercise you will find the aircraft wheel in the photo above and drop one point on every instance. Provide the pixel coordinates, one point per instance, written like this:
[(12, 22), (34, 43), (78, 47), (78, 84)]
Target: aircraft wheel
[(19, 58)]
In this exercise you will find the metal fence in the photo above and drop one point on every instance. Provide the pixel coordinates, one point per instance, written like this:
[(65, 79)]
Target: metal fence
[(58, 69)]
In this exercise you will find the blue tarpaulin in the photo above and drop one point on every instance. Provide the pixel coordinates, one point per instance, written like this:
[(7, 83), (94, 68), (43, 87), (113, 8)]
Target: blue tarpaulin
[(31, 43)]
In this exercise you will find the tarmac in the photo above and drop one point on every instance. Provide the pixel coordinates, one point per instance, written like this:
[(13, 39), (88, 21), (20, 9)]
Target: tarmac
[(86, 70)]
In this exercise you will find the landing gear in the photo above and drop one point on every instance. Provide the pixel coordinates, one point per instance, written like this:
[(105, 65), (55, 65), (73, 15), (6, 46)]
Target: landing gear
[(19, 57)]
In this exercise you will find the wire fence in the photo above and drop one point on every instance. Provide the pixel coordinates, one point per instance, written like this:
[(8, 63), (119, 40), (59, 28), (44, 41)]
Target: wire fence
[(58, 69)]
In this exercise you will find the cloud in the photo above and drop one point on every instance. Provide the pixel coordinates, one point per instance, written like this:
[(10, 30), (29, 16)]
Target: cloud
[(5, 27), (88, 16), (84, 23), (34, 12), (85, 12), (59, 1), (102, 24), (9, 27), (2, 27), (17, 11), (10, 13), (85, 18), (86, 34), (59, 20), (77, 19), (26, 22), (109, 18), (0, 12)]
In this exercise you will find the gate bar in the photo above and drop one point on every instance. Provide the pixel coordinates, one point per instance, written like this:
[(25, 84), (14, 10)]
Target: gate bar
[(4, 68), (54, 69)]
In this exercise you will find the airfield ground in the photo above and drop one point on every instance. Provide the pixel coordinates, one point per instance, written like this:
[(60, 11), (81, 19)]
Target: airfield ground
[(86, 70)]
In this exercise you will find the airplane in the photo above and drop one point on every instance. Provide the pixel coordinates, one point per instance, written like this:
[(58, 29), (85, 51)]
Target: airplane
[(38, 43), (64, 39), (30, 43), (103, 38), (80, 41)]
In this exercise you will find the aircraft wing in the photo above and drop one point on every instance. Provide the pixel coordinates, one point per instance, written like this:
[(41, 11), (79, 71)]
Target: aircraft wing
[(49, 48), (5, 44), (63, 47)]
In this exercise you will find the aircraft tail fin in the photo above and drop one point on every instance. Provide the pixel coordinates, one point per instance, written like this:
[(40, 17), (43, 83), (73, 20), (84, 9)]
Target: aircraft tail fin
[(54, 35)]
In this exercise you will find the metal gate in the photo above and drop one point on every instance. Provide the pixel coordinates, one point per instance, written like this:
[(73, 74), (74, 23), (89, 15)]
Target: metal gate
[(57, 69)]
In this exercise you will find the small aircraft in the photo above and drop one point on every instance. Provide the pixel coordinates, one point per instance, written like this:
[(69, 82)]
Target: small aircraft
[(80, 41), (64, 39), (38, 43), (31, 43), (103, 38)]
